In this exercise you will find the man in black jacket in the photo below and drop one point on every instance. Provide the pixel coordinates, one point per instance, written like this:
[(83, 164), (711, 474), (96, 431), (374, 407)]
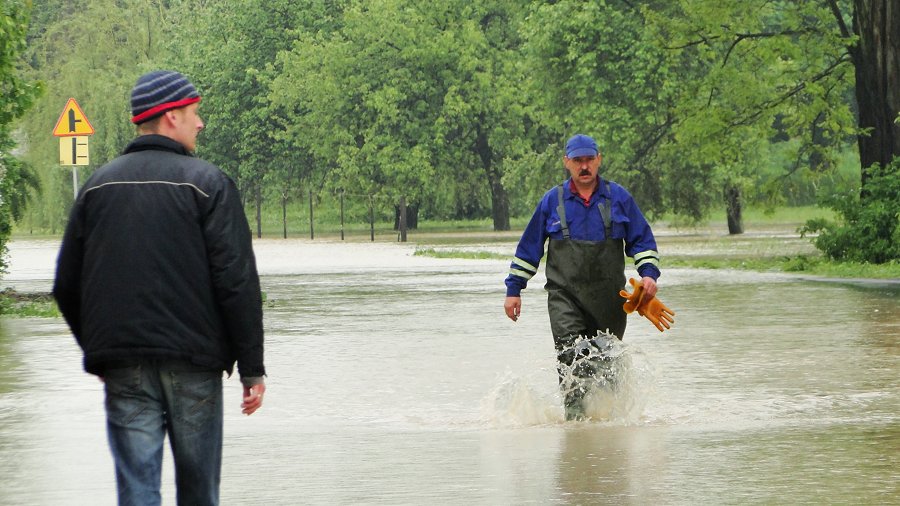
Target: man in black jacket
[(157, 280)]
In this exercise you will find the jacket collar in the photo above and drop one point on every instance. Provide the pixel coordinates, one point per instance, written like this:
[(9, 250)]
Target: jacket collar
[(572, 192), (156, 142)]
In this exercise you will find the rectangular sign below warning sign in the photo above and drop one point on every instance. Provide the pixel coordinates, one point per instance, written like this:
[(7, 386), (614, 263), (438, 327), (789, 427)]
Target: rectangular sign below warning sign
[(72, 121), (74, 151)]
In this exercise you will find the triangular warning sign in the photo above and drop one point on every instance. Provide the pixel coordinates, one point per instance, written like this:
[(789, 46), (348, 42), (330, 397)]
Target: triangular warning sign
[(72, 121)]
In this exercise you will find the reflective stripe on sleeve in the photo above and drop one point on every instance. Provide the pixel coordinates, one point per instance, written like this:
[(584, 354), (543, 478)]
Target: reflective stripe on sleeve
[(522, 274), (525, 265), (522, 269), (646, 257)]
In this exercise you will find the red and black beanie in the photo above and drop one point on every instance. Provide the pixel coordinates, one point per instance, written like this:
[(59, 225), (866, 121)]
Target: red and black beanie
[(159, 91)]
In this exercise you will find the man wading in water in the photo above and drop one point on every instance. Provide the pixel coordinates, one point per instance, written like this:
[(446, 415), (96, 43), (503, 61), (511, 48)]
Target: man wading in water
[(592, 224)]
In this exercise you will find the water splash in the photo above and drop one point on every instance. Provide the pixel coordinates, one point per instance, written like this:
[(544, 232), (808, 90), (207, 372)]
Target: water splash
[(610, 377), (616, 379), (516, 402)]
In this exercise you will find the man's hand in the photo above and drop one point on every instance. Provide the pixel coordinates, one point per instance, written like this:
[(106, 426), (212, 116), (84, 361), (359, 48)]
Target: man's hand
[(658, 313), (643, 300), (649, 287), (641, 293), (513, 307), (253, 398), (633, 299)]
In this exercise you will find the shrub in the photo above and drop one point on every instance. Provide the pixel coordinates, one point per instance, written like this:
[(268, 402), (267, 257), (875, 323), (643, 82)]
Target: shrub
[(870, 226)]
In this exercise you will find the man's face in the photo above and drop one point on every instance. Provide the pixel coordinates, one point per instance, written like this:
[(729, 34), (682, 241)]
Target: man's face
[(583, 168), (187, 124)]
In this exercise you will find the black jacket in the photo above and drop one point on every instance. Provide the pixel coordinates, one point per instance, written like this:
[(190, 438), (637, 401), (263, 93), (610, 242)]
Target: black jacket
[(157, 263)]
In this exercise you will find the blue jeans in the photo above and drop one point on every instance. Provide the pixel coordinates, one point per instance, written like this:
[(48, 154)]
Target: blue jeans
[(148, 400)]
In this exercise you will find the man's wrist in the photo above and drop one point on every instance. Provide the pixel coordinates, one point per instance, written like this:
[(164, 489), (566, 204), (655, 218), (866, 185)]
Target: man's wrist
[(250, 381)]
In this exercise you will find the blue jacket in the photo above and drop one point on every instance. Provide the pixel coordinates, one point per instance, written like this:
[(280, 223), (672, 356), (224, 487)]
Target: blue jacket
[(585, 223)]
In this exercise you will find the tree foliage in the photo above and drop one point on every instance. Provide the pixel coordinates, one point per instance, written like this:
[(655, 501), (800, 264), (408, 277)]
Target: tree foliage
[(595, 71), (93, 51), (16, 96), (761, 71), (241, 125), (462, 107), (404, 98)]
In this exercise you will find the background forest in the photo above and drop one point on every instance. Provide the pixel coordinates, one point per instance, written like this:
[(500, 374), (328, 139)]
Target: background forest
[(461, 108)]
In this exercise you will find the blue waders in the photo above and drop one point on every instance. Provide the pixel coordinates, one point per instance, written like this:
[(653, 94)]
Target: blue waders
[(583, 283)]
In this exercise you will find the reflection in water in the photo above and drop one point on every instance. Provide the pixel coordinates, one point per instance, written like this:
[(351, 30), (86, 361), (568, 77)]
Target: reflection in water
[(601, 464), (397, 380)]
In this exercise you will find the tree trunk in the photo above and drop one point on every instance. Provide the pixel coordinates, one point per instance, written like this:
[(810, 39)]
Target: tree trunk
[(733, 209), (499, 205), (818, 163), (412, 217), (258, 195), (499, 197), (877, 61), (284, 201)]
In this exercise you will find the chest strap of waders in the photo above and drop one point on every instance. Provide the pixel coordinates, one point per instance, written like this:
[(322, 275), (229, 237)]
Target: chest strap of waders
[(606, 217), (561, 211)]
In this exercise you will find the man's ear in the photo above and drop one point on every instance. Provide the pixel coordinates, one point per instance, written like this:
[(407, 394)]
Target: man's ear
[(171, 117)]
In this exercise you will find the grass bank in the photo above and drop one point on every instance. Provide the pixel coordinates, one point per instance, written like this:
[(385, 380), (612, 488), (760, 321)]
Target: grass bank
[(770, 243), (41, 305)]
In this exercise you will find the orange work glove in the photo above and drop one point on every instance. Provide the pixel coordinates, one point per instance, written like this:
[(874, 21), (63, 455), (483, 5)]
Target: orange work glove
[(634, 298), (654, 310)]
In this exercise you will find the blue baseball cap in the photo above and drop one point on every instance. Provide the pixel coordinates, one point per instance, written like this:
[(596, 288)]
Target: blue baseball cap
[(581, 145)]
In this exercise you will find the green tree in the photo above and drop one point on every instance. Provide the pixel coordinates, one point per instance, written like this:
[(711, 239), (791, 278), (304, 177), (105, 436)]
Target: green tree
[(760, 69), (602, 69), (16, 96), (93, 51), (409, 99), (241, 126), (594, 69), (870, 227)]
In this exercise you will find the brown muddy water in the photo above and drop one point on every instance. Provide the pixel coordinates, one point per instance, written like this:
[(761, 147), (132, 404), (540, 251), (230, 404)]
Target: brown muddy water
[(396, 379)]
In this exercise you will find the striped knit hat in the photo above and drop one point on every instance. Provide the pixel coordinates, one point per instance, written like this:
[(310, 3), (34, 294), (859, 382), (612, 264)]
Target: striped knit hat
[(159, 91)]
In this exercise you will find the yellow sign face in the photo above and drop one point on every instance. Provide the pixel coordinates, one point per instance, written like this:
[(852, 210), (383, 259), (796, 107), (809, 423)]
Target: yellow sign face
[(74, 150), (72, 121)]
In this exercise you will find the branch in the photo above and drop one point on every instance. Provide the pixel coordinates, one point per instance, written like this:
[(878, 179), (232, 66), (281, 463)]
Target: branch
[(738, 38), (762, 35), (661, 132), (845, 58), (840, 19), (703, 40)]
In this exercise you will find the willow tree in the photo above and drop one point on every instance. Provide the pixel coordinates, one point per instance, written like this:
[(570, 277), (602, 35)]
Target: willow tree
[(92, 51), (16, 96)]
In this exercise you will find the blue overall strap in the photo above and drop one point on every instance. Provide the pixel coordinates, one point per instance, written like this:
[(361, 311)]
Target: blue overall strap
[(561, 211), (607, 216)]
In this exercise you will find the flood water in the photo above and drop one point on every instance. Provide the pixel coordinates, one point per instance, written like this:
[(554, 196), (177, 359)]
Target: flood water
[(397, 379)]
